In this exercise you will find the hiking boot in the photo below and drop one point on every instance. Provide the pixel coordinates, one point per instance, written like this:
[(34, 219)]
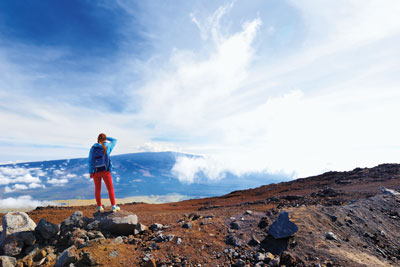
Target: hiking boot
[(115, 208), (100, 209)]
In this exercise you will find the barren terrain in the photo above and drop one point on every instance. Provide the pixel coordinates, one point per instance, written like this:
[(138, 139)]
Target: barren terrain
[(350, 205)]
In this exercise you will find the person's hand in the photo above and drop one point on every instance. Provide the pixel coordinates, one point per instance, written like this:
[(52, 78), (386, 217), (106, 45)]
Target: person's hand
[(92, 175)]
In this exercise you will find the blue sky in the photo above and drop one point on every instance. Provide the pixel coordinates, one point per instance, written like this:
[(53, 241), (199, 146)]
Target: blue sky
[(278, 86)]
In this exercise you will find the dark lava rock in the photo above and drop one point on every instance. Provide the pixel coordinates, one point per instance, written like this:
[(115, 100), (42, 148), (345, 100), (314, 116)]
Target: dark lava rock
[(287, 259), (88, 260), (68, 256), (75, 220), (234, 225), (46, 229), (156, 226), (254, 241), (231, 240), (264, 222), (187, 225), (333, 218), (283, 227), (328, 192)]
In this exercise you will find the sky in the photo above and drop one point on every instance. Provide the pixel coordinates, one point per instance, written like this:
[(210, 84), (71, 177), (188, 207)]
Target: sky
[(298, 87)]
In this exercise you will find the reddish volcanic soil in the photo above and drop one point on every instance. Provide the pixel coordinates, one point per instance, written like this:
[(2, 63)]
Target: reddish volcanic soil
[(366, 226)]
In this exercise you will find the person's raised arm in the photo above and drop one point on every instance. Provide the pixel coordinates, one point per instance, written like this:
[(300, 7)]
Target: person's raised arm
[(111, 145)]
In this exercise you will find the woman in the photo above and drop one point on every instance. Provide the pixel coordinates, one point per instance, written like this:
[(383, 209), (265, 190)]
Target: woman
[(100, 166)]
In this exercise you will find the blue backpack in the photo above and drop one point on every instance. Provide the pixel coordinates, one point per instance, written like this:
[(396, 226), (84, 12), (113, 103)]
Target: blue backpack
[(101, 161)]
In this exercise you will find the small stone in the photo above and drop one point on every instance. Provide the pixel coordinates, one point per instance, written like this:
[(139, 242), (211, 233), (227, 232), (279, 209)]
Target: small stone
[(260, 256), (240, 263), (254, 241), (348, 220), (88, 259), (264, 222), (331, 236), (95, 235), (40, 255), (170, 237), (113, 254), (333, 218), (28, 261), (150, 263), (287, 259), (234, 225), (178, 241), (275, 262), (231, 240), (156, 226), (269, 256), (141, 228), (117, 240), (187, 225), (248, 212)]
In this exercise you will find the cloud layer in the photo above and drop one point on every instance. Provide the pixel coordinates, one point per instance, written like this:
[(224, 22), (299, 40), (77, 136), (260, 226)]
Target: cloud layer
[(21, 202)]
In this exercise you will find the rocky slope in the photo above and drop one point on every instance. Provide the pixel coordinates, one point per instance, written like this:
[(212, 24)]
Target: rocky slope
[(335, 219)]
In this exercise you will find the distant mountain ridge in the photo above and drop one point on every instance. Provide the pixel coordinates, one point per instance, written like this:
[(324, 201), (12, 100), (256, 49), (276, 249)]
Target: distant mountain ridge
[(135, 174)]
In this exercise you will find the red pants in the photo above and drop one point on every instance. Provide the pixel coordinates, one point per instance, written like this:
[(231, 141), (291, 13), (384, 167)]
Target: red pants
[(106, 175)]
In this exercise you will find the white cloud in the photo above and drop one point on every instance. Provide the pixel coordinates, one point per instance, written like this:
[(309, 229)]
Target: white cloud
[(156, 147), (36, 185), (19, 187), (58, 172), (321, 108), (17, 175), (57, 182), (21, 202)]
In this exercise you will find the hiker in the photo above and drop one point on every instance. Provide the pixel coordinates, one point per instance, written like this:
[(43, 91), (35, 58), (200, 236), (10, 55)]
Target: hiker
[(100, 167)]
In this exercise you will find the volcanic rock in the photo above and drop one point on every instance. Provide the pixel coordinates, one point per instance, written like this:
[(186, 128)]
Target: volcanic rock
[(74, 221), (156, 226), (88, 259), (234, 225), (187, 225), (7, 261), (331, 236), (17, 232), (287, 259), (46, 229), (122, 222), (68, 256), (282, 227)]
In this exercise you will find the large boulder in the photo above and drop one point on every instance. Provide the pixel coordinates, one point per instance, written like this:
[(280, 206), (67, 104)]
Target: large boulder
[(47, 229), (121, 223), (17, 231), (282, 227)]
